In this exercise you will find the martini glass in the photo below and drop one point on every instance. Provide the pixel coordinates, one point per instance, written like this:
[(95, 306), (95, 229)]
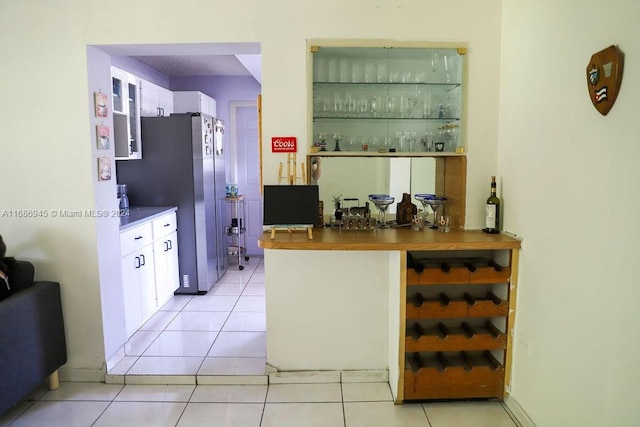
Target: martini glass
[(424, 199), (434, 202), (382, 202)]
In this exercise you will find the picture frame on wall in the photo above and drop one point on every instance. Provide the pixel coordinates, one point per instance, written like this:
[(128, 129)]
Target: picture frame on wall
[(104, 168), (100, 100), (103, 135)]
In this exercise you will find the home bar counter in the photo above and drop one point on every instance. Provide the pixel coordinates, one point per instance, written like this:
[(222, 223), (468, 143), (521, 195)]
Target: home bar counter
[(342, 302)]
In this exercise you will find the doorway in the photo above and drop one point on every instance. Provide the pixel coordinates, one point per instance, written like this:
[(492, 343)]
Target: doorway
[(245, 166)]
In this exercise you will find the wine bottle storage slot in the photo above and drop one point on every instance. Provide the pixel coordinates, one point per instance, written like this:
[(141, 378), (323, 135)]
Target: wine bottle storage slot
[(455, 271), (452, 375), (454, 338), (442, 306)]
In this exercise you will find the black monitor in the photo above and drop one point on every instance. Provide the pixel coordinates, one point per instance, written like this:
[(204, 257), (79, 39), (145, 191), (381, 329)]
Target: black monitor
[(290, 205)]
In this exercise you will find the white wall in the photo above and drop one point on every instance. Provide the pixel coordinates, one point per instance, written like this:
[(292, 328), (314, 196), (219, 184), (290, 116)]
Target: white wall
[(569, 183), (45, 132)]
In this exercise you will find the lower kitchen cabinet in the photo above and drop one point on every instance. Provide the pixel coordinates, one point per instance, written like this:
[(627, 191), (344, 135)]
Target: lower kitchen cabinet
[(165, 251), (138, 276), (149, 259)]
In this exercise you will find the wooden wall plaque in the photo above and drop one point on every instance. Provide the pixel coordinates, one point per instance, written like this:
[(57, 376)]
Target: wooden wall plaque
[(604, 78)]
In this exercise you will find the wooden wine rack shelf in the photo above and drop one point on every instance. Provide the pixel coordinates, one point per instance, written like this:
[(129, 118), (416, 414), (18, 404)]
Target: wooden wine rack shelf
[(455, 340), (459, 376), (465, 338)]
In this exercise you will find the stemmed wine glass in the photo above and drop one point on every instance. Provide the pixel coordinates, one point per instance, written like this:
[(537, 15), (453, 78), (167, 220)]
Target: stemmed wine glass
[(434, 202), (382, 202)]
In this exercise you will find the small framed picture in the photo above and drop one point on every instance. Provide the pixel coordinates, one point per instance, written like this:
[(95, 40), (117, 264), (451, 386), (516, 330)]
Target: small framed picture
[(101, 104), (104, 169), (103, 137)]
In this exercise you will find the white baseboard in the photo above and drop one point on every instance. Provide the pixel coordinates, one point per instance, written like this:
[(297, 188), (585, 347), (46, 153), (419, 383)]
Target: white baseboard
[(518, 413), (82, 375)]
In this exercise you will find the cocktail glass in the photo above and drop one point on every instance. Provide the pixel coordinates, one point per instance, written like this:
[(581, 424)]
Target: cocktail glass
[(382, 202), (434, 202)]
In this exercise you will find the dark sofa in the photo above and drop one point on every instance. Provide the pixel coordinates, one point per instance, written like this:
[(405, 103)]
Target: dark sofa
[(32, 340)]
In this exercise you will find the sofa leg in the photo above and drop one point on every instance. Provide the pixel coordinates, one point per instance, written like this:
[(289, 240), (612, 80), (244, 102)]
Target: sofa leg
[(54, 383)]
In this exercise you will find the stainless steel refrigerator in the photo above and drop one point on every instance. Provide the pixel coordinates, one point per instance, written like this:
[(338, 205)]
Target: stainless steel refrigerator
[(183, 165)]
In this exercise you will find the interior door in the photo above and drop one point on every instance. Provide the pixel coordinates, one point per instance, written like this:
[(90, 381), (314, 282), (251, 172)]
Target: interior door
[(248, 171)]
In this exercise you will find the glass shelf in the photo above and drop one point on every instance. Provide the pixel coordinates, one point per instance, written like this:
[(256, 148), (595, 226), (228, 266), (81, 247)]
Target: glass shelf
[(404, 98)]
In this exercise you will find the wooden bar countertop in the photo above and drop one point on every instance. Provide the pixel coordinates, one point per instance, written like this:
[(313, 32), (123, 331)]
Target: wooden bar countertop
[(390, 239)]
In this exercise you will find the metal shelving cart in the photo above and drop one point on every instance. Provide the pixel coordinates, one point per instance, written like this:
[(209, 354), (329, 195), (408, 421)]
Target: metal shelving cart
[(236, 232)]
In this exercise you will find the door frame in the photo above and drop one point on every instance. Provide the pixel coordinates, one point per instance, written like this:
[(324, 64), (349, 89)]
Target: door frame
[(233, 123)]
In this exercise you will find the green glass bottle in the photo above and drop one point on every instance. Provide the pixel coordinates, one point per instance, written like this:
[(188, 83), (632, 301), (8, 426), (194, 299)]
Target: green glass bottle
[(492, 211)]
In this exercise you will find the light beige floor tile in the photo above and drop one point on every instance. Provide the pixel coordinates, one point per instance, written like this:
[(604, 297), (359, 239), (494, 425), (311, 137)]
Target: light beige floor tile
[(14, 412), (246, 322), (257, 278), (198, 321), (170, 365), (254, 289), (177, 303), (212, 303), (230, 393), (160, 380), (366, 414), (366, 392), (231, 288), (239, 344), (304, 377), (304, 393), (233, 379), (222, 415), (83, 391), (303, 414), (139, 342), (182, 343), (468, 414), (155, 393), (251, 303), (159, 321), (156, 414), (232, 366), (366, 376), (61, 414), (124, 365)]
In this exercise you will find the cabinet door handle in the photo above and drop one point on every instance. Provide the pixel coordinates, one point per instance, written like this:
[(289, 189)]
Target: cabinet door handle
[(167, 225), (137, 262), (166, 245), (143, 260), (170, 244), (137, 238)]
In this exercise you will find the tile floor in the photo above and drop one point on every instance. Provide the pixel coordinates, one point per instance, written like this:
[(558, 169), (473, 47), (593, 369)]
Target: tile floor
[(217, 341), (211, 338), (276, 405)]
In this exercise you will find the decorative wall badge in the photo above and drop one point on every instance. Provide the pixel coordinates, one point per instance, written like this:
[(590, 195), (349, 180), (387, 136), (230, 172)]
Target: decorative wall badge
[(604, 78)]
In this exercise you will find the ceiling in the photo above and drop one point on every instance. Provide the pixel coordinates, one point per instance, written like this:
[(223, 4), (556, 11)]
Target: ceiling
[(196, 59)]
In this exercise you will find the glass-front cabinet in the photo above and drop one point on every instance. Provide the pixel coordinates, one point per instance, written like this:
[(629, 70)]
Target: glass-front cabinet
[(388, 100)]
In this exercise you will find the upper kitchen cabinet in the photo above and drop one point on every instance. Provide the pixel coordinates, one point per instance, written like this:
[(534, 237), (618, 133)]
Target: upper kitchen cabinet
[(126, 118), (194, 102), (404, 99), (155, 101)]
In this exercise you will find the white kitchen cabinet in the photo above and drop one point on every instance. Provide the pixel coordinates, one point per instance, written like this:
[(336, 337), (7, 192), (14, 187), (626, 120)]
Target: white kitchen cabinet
[(155, 101), (138, 276), (194, 102), (126, 116), (165, 251)]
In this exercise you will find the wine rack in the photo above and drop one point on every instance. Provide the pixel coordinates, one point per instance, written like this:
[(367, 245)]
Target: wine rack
[(457, 316)]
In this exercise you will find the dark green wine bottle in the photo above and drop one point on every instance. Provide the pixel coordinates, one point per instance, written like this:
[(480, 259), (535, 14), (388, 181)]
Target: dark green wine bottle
[(492, 211)]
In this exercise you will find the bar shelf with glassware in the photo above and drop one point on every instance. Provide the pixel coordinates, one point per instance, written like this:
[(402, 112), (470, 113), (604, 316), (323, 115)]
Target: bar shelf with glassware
[(378, 97)]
